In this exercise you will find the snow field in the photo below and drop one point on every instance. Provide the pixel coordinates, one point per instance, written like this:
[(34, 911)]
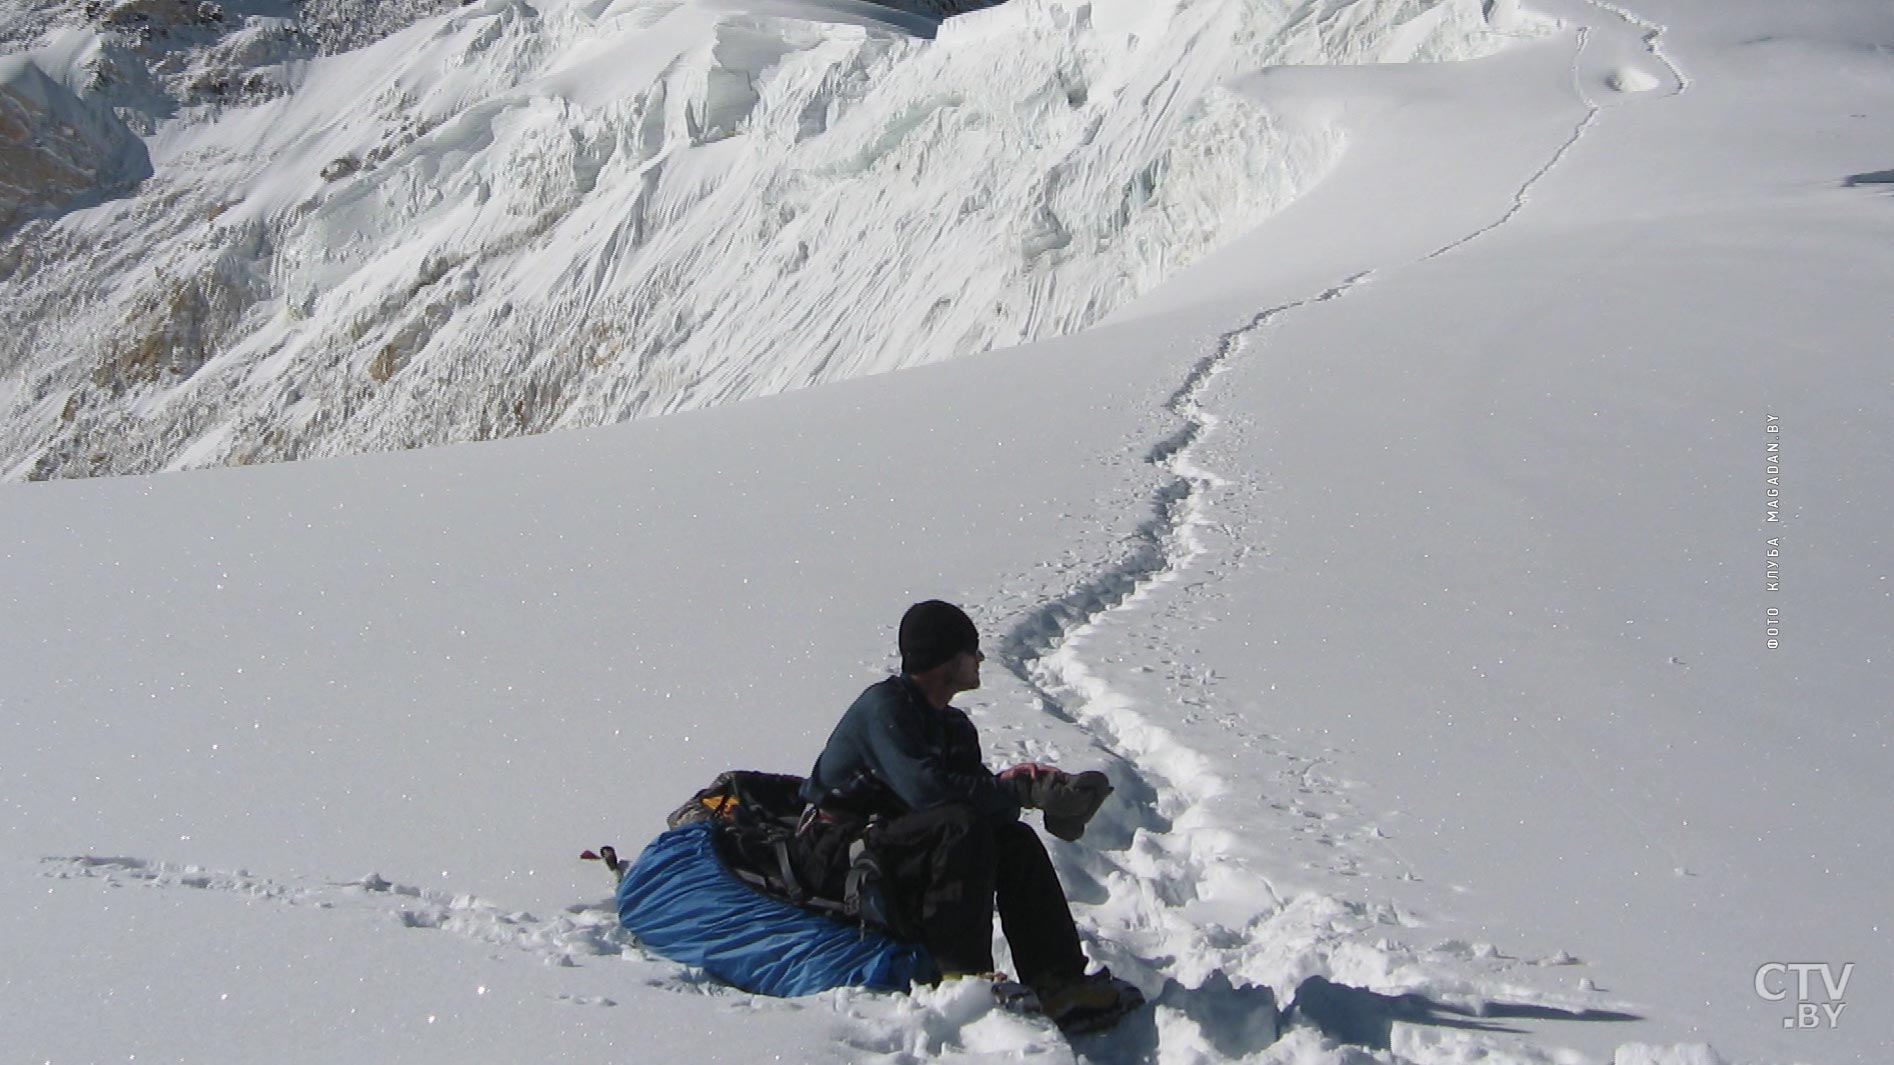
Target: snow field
[(1452, 654), (540, 674), (322, 725), (583, 931)]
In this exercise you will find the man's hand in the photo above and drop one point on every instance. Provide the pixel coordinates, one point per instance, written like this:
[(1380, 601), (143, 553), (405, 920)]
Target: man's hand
[(1029, 781)]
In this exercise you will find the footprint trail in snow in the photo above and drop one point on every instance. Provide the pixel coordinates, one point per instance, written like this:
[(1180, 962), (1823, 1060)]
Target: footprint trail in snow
[(1177, 907)]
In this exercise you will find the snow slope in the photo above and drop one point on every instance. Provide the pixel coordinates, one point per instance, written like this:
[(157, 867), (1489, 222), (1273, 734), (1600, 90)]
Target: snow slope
[(1405, 562), (511, 218)]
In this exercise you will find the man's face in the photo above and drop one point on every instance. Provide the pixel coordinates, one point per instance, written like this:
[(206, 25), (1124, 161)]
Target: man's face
[(966, 674)]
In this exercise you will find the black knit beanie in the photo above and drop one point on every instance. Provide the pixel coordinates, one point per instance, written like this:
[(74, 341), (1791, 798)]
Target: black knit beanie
[(932, 633)]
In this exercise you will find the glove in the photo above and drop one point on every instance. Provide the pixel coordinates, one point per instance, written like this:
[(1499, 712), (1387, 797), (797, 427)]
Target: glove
[(1069, 801)]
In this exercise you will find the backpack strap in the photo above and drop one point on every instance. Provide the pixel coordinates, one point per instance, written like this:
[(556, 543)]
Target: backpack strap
[(861, 869), (791, 886)]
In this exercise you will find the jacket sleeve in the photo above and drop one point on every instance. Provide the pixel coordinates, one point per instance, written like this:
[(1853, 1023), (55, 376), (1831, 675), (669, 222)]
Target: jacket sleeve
[(920, 772)]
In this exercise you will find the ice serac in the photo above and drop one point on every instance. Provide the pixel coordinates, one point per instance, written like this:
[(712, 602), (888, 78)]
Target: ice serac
[(58, 151), (512, 218)]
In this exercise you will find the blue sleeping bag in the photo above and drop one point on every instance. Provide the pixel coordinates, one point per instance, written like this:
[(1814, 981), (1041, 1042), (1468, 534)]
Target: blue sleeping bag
[(680, 901)]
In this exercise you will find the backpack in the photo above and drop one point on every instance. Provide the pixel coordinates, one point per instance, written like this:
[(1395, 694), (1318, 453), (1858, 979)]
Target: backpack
[(756, 815), (719, 890)]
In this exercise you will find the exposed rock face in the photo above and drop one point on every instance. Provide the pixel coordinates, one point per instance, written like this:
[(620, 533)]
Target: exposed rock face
[(343, 25), (58, 151)]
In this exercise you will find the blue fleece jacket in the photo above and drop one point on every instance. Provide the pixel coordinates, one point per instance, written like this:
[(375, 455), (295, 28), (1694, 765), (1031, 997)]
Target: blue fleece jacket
[(892, 754)]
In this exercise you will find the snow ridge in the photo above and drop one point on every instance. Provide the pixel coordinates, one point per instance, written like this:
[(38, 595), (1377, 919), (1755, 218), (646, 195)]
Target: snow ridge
[(582, 931)]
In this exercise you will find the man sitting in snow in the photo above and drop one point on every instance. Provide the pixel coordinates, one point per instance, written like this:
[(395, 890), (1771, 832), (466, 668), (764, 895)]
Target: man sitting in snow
[(903, 773)]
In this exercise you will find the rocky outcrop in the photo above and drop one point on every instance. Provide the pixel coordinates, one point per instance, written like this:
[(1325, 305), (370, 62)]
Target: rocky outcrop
[(58, 151)]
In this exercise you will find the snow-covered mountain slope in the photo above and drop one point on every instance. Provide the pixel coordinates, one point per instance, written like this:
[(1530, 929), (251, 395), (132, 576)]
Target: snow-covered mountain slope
[(510, 218)]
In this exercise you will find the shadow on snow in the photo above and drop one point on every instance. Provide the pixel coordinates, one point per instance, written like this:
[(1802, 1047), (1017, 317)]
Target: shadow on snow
[(1240, 1021)]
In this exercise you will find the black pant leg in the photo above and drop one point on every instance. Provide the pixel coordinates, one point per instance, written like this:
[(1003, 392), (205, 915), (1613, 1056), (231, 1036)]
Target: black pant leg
[(1033, 909), (948, 867), (939, 865)]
